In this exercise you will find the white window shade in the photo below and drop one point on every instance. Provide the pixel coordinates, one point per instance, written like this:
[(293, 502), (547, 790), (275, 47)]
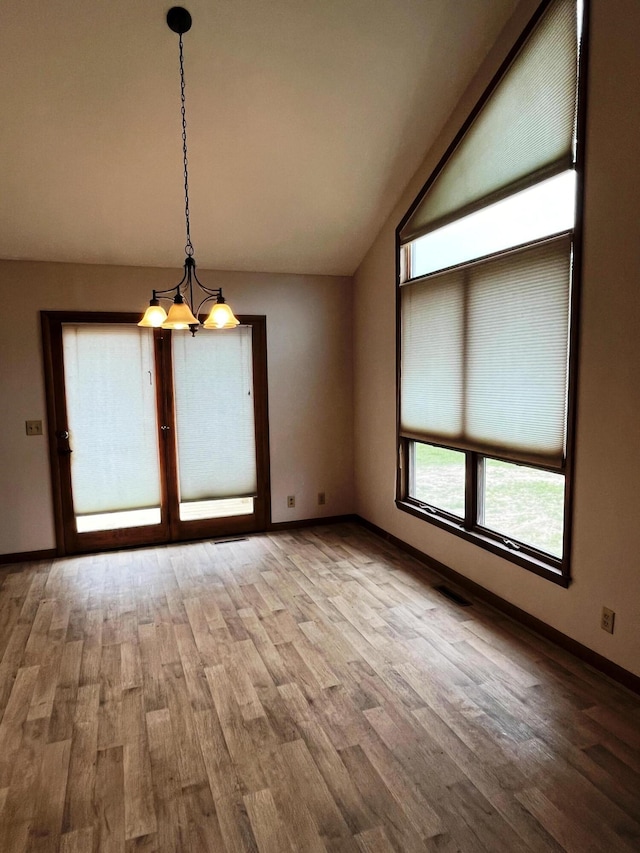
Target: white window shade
[(517, 352), (510, 329), (111, 412), (432, 334), (523, 132), (213, 386)]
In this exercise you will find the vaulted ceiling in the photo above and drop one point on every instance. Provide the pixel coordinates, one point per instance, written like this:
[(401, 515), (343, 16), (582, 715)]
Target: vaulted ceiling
[(306, 119)]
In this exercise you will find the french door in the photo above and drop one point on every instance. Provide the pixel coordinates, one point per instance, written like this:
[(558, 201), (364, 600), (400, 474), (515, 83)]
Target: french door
[(154, 436)]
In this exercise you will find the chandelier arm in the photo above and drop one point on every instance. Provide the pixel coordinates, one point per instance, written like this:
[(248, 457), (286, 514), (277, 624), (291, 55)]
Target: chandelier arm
[(211, 291), (208, 298), (159, 294), (165, 294), (176, 287)]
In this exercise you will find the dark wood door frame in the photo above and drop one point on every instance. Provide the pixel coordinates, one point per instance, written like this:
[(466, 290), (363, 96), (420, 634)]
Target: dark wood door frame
[(68, 540)]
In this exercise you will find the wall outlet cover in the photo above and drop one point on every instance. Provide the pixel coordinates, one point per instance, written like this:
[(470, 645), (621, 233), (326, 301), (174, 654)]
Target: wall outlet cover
[(607, 620)]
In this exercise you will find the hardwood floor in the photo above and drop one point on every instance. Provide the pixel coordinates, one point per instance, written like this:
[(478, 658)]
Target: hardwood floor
[(303, 691)]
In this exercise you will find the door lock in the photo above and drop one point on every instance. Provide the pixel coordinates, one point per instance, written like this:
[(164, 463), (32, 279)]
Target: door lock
[(63, 435)]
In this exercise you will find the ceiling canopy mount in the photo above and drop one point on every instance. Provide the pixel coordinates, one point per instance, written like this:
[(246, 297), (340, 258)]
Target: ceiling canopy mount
[(179, 20)]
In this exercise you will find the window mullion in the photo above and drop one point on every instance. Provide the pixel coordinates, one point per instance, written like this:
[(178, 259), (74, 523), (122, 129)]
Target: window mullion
[(471, 490), (480, 488), (406, 478)]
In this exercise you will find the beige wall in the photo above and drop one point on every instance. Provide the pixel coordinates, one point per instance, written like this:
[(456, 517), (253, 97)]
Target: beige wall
[(309, 324), (606, 562)]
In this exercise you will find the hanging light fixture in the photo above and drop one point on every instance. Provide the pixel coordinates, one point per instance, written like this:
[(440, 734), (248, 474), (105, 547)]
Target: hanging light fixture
[(183, 313)]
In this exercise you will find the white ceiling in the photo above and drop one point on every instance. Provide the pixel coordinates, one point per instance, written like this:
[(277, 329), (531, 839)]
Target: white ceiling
[(306, 118)]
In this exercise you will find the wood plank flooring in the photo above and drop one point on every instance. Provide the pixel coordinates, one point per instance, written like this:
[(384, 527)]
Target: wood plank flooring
[(300, 691)]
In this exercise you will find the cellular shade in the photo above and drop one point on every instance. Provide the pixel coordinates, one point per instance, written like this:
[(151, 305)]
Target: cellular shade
[(213, 387), (111, 411), (432, 376), (524, 131), (485, 355)]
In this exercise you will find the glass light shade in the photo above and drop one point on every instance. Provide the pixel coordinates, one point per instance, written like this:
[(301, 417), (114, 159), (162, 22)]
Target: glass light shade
[(221, 317), (154, 317), (179, 317)]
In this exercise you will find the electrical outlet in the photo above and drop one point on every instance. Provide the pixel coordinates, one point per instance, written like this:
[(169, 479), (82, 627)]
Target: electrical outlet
[(33, 427), (607, 619), (321, 499), (291, 501)]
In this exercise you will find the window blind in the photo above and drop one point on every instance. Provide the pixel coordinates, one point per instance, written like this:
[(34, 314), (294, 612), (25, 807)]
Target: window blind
[(524, 131), (111, 412), (432, 386), (484, 355), (213, 386)]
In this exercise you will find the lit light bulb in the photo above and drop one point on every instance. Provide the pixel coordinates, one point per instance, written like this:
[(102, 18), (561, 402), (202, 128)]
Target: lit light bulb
[(221, 317), (154, 317), (179, 317)]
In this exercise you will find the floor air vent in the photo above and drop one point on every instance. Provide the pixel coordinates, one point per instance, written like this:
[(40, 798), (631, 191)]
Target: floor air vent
[(452, 596), (224, 541)]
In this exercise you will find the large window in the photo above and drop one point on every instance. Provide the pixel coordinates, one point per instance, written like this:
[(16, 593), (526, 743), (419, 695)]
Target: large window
[(487, 300)]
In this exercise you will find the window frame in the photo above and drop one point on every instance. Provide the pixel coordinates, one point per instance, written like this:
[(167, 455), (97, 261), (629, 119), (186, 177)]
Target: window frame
[(557, 570), (468, 528)]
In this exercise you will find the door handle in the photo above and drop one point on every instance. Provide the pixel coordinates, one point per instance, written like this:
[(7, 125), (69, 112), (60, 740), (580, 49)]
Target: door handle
[(63, 435)]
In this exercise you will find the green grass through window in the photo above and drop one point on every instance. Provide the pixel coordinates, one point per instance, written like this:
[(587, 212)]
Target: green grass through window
[(521, 503)]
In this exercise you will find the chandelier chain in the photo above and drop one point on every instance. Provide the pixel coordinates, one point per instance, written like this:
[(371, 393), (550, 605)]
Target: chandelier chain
[(188, 246)]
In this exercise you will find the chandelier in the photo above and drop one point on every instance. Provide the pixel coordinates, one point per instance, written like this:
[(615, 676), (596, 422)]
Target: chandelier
[(184, 312)]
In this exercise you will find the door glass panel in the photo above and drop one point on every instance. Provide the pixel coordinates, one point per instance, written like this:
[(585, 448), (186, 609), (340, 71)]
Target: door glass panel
[(116, 520), (215, 427), (194, 510), (111, 409)]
